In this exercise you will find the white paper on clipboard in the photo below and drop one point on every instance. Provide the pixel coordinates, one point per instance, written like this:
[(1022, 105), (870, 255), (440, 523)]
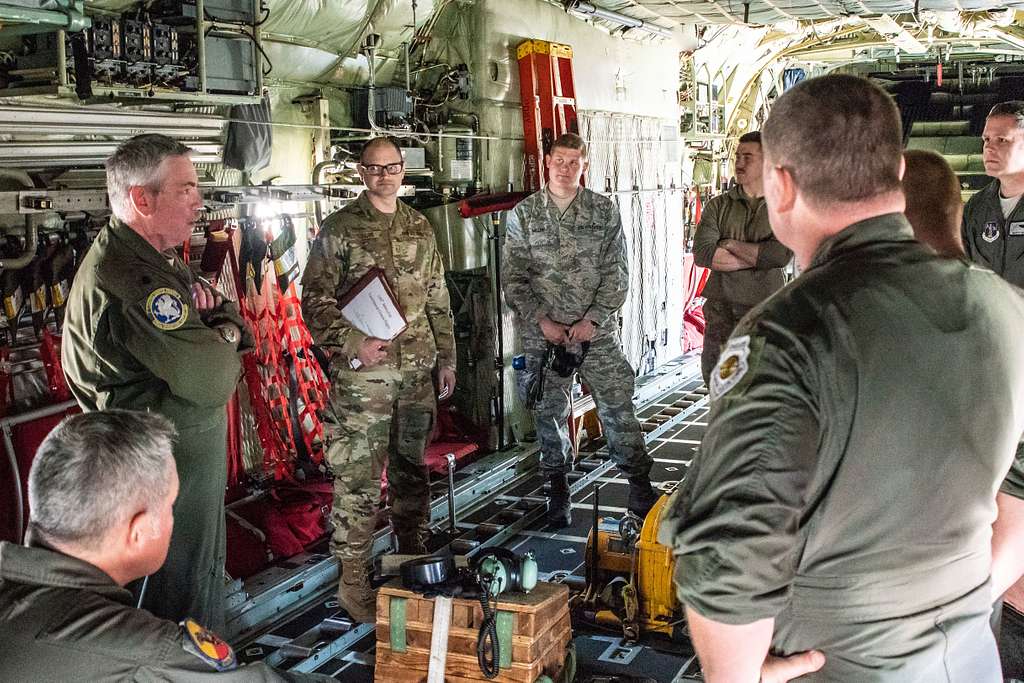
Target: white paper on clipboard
[(371, 308)]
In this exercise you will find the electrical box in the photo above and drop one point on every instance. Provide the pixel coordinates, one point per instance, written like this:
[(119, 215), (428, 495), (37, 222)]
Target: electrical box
[(415, 158), (234, 11), (392, 107), (161, 51)]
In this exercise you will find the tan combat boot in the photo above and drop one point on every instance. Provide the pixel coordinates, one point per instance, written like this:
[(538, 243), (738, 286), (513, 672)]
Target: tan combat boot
[(355, 593)]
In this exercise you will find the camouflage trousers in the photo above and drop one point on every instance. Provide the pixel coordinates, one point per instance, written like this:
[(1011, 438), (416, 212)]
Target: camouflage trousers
[(381, 418), (607, 374), (720, 319)]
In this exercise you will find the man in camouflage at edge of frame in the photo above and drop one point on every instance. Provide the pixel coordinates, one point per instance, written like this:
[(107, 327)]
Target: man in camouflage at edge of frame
[(383, 413), (566, 278)]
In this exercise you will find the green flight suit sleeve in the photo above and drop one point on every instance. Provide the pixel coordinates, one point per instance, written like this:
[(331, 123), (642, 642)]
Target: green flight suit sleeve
[(324, 283), (966, 235), (734, 523), (228, 312), (516, 270), (708, 235), (179, 665), (250, 673), (439, 312), (196, 362), (1013, 485), (772, 254), (611, 293)]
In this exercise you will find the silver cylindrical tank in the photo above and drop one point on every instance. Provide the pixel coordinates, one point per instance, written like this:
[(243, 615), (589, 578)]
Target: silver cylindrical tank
[(461, 241)]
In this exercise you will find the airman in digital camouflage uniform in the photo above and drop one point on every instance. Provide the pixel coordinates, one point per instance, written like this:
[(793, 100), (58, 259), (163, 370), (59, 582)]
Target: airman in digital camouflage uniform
[(101, 492), (841, 507), (566, 277), (385, 410), (142, 332), (734, 240), (993, 224)]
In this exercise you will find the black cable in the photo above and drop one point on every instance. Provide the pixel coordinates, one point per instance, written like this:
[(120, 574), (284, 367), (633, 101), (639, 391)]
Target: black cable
[(488, 632), (241, 26), (231, 22), (270, 64)]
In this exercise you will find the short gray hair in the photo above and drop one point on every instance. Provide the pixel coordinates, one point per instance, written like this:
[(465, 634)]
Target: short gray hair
[(135, 163), (839, 136), (1012, 108), (94, 470)]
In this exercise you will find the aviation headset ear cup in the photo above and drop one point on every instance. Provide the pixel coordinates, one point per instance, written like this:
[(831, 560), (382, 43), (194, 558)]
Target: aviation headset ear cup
[(512, 563)]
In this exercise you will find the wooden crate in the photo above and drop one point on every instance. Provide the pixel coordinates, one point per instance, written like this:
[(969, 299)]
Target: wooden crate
[(540, 632)]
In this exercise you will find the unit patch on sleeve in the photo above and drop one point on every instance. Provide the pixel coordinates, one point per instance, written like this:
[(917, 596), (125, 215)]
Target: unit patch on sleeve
[(207, 646), (165, 309), (732, 366)]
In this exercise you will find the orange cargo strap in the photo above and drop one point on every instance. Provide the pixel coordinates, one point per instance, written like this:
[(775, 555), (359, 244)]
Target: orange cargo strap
[(283, 346)]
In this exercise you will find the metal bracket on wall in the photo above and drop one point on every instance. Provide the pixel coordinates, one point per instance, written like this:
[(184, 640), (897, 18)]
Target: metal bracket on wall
[(34, 201), (22, 19)]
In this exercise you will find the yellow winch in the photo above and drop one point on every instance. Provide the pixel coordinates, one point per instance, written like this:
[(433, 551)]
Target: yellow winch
[(629, 575)]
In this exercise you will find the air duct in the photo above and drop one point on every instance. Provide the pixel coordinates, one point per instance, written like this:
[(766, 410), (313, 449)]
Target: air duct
[(587, 9)]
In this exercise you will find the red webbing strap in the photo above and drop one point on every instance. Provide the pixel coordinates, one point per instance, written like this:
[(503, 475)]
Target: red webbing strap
[(49, 351), (219, 240), (259, 372), (282, 341), (6, 385), (236, 465), (313, 389), (276, 385)]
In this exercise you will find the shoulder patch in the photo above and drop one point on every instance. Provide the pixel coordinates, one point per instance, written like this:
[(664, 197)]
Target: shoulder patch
[(165, 309), (207, 646), (732, 365)]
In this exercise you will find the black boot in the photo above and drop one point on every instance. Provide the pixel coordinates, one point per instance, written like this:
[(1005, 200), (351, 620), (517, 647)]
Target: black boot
[(642, 495), (559, 505), (410, 542)]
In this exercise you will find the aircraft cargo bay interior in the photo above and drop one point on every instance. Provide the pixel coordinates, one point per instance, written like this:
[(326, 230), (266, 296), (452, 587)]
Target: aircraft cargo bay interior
[(517, 340)]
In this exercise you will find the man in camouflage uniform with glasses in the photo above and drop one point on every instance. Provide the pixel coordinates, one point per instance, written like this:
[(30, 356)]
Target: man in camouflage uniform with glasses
[(566, 278), (383, 413)]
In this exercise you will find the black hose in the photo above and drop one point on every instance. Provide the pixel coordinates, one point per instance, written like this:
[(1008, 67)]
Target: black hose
[(488, 632)]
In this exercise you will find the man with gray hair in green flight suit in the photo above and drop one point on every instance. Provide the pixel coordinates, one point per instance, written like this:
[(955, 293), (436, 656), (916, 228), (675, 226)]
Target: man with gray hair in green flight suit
[(142, 332), (857, 499)]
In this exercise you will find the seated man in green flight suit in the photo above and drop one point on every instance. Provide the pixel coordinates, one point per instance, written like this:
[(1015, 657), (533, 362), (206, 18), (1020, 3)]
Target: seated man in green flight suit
[(101, 492)]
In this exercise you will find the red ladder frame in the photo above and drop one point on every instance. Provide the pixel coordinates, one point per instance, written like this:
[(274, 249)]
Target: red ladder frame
[(548, 94)]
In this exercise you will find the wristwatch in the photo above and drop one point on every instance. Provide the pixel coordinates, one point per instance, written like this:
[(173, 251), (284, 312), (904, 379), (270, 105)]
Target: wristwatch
[(229, 333)]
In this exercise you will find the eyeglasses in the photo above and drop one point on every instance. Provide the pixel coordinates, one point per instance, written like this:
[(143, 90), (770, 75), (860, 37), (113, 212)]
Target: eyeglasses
[(380, 169)]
